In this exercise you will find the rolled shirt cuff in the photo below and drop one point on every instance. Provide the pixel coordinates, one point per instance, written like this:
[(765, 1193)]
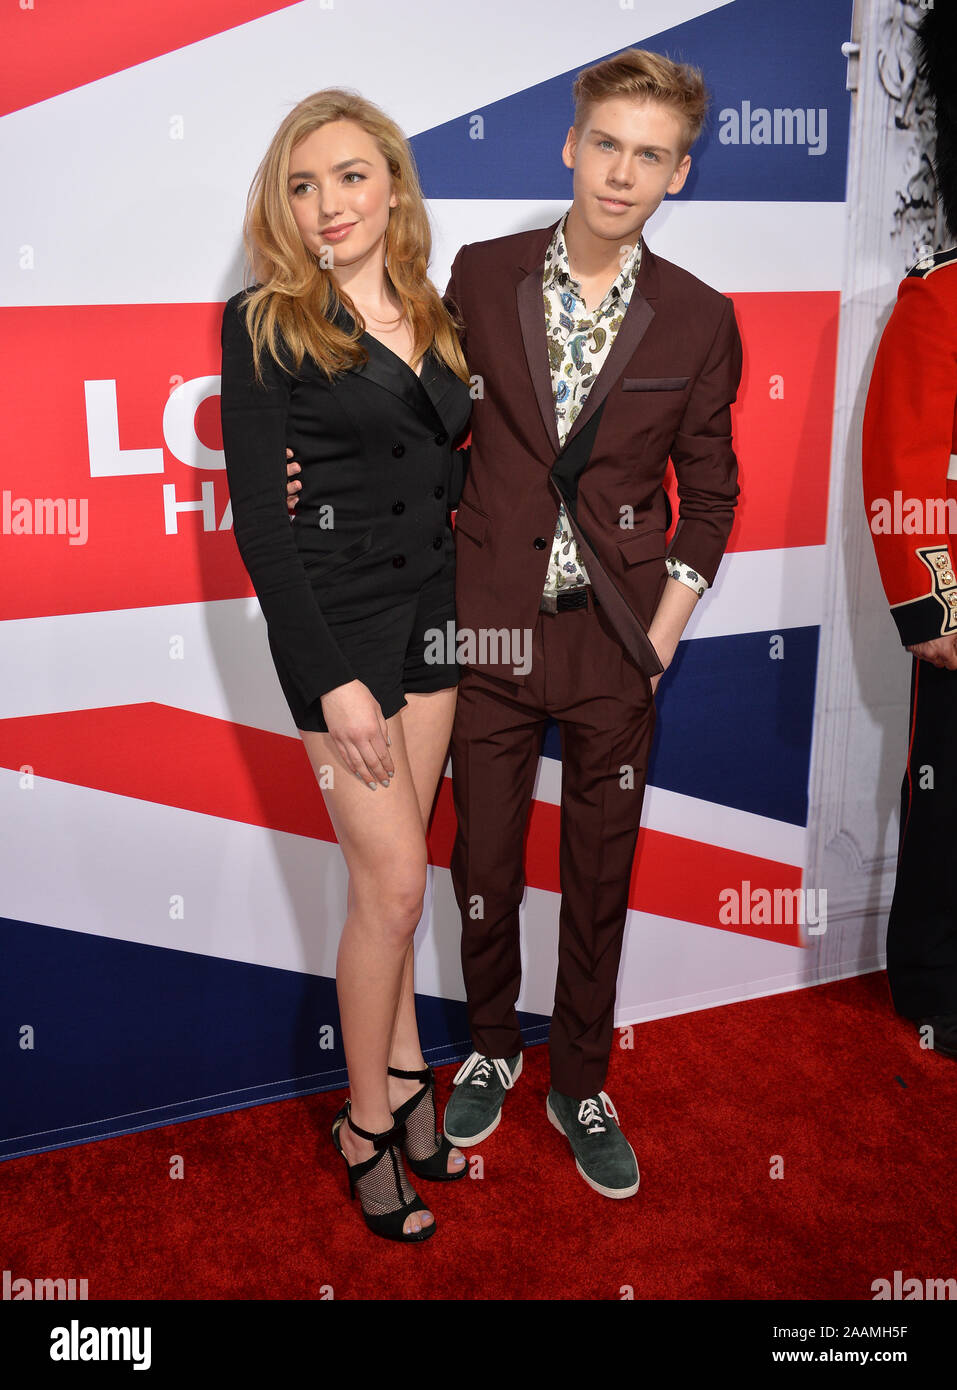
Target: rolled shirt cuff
[(686, 575)]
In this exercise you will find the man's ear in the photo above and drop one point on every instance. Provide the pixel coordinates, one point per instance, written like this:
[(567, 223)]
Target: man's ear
[(677, 181), (568, 149)]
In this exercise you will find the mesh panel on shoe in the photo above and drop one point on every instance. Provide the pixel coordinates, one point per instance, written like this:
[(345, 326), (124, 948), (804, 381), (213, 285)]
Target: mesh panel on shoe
[(379, 1189), (422, 1140)]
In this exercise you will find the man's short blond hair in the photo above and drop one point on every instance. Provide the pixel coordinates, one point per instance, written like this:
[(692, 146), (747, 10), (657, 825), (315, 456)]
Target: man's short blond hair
[(642, 75)]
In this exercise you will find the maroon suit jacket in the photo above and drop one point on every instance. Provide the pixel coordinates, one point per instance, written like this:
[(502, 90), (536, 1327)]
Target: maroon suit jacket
[(665, 390)]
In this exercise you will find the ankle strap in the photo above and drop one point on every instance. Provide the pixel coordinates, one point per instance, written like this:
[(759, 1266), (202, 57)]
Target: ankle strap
[(379, 1141), (424, 1075)]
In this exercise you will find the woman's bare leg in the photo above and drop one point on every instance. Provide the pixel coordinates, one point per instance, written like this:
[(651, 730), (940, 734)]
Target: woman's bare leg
[(427, 726), (381, 836)]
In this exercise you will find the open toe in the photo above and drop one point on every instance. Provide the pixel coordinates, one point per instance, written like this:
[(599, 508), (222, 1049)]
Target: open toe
[(418, 1221), (390, 1205)]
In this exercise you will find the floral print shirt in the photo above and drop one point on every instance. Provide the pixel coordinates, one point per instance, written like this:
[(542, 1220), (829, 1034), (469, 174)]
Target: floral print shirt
[(579, 341)]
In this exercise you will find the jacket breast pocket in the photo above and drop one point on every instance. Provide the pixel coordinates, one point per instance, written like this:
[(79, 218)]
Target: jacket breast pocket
[(321, 561), (654, 383), (471, 523)]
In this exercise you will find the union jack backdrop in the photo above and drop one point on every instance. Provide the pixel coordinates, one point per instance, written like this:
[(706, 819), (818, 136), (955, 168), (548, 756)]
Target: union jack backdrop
[(171, 887)]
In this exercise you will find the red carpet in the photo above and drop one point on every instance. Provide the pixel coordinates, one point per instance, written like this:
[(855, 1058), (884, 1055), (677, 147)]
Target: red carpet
[(828, 1079)]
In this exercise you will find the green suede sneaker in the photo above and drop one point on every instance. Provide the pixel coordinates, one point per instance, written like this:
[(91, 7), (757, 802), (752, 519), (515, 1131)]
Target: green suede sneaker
[(475, 1106), (603, 1155)]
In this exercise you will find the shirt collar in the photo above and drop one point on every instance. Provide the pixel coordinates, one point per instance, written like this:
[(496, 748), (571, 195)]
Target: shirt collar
[(558, 272)]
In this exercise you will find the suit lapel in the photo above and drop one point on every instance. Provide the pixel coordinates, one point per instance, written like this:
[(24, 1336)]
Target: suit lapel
[(563, 480), (631, 330), (572, 458), (389, 371), (531, 313)]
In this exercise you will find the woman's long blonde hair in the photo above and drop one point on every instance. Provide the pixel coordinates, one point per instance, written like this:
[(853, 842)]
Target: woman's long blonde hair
[(294, 296)]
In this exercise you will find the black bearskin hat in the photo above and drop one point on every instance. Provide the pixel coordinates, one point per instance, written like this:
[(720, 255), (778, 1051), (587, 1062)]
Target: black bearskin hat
[(937, 57)]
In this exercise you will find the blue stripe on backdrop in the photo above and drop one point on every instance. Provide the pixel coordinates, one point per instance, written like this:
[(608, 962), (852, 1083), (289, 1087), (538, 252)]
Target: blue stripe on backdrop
[(129, 1037), (734, 722), (762, 62)]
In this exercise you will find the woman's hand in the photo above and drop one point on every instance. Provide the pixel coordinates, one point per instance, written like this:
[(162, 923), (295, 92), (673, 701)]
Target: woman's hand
[(354, 719)]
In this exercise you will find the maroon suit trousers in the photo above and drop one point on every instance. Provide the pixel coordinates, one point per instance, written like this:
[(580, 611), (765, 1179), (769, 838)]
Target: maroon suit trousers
[(602, 703)]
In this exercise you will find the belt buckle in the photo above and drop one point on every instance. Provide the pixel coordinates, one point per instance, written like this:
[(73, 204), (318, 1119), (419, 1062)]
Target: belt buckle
[(564, 602), (573, 599)]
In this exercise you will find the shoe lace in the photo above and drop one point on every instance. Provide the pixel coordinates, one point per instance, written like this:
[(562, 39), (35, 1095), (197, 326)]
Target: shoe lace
[(590, 1116), (477, 1070)]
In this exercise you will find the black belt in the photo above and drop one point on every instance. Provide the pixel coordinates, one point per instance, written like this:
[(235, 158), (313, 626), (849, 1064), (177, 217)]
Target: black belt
[(561, 603)]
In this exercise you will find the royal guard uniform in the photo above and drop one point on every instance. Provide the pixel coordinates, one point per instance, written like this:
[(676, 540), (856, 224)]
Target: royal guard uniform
[(910, 495)]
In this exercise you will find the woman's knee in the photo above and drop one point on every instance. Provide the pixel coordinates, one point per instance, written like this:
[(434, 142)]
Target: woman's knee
[(394, 898)]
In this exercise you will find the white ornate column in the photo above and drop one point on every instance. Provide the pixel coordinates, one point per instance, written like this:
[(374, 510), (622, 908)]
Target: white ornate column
[(862, 694)]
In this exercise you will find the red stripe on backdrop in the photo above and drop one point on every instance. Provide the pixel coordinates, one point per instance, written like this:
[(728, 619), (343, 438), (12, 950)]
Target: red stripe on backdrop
[(131, 556), (62, 44), (128, 557), (174, 757), (782, 419)]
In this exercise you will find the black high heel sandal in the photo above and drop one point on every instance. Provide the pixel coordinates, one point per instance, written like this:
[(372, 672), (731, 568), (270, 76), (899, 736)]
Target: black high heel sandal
[(382, 1189), (419, 1125)]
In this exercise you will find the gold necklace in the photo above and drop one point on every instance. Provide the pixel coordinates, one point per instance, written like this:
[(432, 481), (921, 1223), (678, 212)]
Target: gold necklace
[(393, 323)]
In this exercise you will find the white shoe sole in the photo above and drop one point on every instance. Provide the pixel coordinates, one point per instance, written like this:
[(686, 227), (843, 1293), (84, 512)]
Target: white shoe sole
[(472, 1140), (613, 1192)]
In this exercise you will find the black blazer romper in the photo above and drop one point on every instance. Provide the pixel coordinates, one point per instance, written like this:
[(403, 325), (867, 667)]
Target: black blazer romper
[(351, 599)]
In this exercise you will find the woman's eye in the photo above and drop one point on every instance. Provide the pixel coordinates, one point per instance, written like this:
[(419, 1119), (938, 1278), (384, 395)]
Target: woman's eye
[(298, 186), (354, 174)]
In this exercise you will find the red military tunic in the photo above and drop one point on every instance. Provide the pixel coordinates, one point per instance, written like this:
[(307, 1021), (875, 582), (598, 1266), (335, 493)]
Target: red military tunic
[(910, 489), (910, 454)]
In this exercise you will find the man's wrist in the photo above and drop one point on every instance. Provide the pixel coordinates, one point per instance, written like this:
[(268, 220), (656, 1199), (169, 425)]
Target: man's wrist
[(664, 645)]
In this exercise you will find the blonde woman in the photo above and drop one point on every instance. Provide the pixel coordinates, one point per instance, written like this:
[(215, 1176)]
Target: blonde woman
[(343, 351)]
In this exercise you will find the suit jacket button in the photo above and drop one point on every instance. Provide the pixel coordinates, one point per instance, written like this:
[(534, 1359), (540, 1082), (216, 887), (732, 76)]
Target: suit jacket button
[(398, 450), (437, 543), (442, 438), (540, 542), (398, 561), (439, 492), (398, 508)]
